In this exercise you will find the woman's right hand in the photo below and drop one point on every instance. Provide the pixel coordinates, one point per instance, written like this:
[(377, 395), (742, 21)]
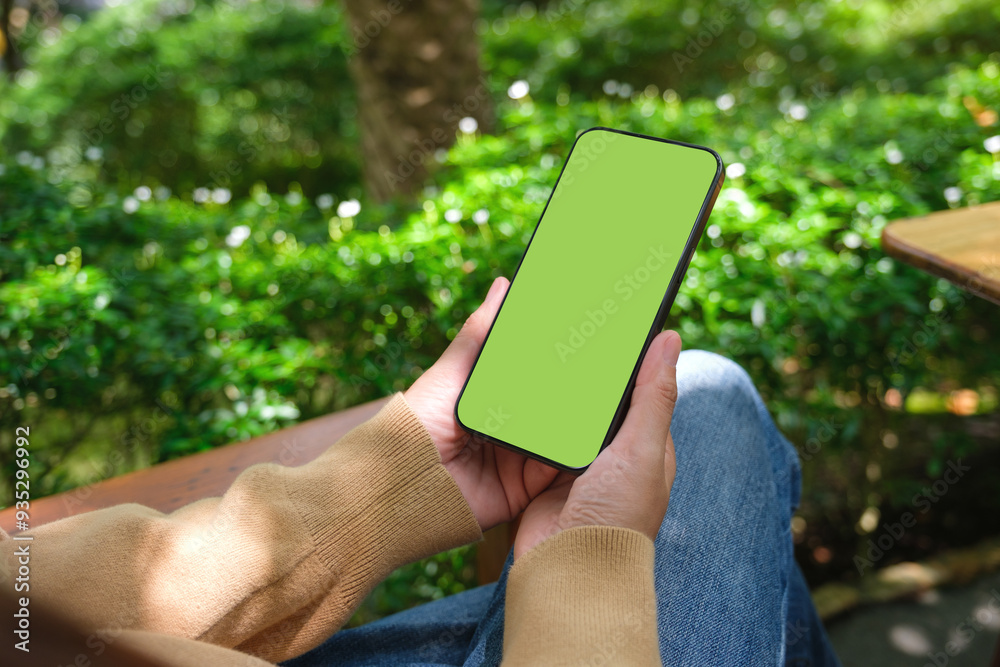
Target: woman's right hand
[(628, 485)]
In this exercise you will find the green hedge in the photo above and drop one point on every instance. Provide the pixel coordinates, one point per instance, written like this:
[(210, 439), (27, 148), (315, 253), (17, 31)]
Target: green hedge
[(222, 93), (581, 48), (233, 319), (189, 94), (137, 325)]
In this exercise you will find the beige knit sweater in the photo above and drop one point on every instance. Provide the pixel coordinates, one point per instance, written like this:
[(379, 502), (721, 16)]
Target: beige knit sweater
[(276, 565)]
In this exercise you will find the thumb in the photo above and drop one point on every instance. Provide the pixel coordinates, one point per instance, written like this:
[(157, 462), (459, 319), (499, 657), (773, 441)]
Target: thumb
[(470, 338), (647, 425)]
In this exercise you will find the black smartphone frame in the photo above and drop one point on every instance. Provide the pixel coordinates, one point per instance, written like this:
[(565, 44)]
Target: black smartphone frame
[(670, 295)]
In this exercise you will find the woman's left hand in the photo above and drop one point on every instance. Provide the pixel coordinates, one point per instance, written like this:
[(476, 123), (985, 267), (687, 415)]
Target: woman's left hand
[(496, 482)]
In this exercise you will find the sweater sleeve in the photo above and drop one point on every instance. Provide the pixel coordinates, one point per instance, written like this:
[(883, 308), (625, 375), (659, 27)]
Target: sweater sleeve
[(584, 596), (274, 566)]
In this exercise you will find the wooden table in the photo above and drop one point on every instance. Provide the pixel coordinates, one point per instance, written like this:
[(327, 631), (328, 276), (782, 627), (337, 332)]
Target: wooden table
[(960, 245)]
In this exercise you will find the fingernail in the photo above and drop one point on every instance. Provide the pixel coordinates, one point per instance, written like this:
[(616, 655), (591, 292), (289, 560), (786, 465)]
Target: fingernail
[(673, 348)]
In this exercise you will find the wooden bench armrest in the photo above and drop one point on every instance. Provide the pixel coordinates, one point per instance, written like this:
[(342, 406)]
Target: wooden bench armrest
[(173, 484)]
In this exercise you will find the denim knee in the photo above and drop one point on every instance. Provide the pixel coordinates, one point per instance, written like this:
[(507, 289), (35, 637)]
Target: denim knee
[(718, 408), (712, 376)]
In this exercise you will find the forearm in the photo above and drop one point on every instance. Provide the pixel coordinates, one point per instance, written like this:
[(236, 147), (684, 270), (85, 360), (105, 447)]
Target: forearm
[(275, 565)]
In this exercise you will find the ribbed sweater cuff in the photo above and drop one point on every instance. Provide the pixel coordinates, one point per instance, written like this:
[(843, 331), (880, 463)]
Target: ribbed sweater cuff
[(594, 584), (380, 498)]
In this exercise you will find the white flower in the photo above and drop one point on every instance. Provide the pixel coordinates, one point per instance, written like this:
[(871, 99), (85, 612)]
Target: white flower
[(468, 125), (348, 208), (798, 111), (237, 235), (892, 153), (735, 170), (852, 240), (758, 314), (518, 89)]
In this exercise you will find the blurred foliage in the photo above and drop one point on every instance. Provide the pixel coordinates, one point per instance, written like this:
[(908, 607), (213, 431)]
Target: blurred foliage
[(189, 94), (703, 48), (156, 311), (199, 93)]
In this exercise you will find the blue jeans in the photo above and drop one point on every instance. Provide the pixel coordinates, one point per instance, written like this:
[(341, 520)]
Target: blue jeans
[(728, 589)]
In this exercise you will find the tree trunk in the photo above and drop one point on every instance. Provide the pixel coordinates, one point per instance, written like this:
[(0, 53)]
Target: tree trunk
[(415, 65), (7, 49)]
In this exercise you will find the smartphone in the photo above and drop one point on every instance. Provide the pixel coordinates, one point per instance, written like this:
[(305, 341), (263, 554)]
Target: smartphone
[(554, 377)]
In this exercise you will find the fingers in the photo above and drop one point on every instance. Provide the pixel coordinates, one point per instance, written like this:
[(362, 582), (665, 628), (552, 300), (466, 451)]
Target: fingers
[(538, 477), (647, 425), (534, 476), (474, 331), (480, 320)]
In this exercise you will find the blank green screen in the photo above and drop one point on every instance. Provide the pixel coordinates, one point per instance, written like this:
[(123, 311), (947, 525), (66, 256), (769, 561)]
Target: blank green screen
[(560, 354)]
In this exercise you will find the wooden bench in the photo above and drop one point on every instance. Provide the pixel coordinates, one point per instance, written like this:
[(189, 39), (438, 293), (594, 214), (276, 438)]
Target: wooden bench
[(173, 484)]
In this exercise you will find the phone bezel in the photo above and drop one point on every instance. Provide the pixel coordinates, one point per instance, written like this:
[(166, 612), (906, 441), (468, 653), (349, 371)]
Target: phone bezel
[(661, 314)]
